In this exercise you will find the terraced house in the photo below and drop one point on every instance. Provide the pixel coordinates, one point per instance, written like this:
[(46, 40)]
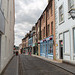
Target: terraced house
[(65, 30), (45, 33), (47, 43)]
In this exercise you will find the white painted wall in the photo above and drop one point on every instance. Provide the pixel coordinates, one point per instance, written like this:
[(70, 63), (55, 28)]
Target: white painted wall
[(67, 25), (7, 39)]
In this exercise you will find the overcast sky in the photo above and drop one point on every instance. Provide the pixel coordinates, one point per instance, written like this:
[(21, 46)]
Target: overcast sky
[(27, 13)]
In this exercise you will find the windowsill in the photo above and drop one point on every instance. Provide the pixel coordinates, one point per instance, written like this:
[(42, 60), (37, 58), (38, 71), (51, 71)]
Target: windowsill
[(61, 22), (67, 54)]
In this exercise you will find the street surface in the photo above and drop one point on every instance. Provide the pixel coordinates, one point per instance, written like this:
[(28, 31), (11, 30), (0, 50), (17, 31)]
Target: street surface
[(30, 65)]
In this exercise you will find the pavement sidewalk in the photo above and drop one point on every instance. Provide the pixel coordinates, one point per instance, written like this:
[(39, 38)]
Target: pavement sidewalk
[(12, 68), (67, 67)]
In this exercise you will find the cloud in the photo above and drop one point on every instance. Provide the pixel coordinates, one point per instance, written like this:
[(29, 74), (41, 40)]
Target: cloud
[(27, 13)]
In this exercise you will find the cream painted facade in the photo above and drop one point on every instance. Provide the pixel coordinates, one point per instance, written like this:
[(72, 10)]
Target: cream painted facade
[(65, 31), (7, 9)]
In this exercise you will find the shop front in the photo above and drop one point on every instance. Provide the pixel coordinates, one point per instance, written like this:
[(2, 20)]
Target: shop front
[(46, 47)]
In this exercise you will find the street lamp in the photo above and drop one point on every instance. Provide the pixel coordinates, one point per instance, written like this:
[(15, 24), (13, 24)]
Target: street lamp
[(72, 13)]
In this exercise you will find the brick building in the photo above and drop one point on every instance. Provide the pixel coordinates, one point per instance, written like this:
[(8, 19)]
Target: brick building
[(47, 44), (38, 35)]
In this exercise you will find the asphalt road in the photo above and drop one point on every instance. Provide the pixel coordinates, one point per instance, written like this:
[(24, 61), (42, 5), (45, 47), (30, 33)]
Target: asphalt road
[(30, 65)]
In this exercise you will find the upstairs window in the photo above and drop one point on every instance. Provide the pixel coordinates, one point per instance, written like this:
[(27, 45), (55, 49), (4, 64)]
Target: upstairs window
[(51, 9), (44, 17), (48, 30), (70, 4), (44, 32), (48, 14), (51, 28), (61, 14)]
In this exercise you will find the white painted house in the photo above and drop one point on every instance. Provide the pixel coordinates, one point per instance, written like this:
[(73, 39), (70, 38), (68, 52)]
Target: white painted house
[(7, 21), (65, 30)]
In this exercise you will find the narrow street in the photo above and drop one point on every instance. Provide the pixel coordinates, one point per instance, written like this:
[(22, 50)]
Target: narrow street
[(30, 65)]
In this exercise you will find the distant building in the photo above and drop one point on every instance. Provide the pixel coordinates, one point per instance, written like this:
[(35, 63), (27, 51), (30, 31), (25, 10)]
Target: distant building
[(20, 48), (34, 40), (7, 21), (44, 33), (38, 35)]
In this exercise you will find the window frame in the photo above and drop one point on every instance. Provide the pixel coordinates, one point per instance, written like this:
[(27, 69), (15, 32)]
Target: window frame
[(48, 13), (62, 13), (52, 28), (51, 8), (64, 42), (70, 4)]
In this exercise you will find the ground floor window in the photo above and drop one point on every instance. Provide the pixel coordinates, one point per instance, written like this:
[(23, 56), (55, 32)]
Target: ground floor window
[(74, 39), (50, 47), (43, 48), (67, 42)]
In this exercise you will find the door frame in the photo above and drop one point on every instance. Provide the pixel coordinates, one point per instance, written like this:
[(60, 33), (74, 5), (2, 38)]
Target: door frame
[(59, 50)]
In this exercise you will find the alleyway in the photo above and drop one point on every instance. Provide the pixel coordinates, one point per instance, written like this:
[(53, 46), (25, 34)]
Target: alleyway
[(34, 66)]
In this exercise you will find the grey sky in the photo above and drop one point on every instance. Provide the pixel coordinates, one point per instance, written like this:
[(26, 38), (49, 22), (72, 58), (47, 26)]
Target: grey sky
[(27, 14)]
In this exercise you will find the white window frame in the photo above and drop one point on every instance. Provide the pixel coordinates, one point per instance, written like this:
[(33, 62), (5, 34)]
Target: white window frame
[(70, 4), (64, 41), (61, 12)]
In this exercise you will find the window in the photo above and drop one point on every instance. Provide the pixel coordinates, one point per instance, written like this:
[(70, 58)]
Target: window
[(61, 13), (48, 14), (74, 39), (51, 28), (48, 30), (70, 4), (44, 31), (43, 48), (50, 47), (67, 42), (44, 17), (51, 9)]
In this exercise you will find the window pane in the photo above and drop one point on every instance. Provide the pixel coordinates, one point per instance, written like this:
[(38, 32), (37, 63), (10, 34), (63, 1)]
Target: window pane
[(70, 4), (52, 28), (67, 42), (61, 14)]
